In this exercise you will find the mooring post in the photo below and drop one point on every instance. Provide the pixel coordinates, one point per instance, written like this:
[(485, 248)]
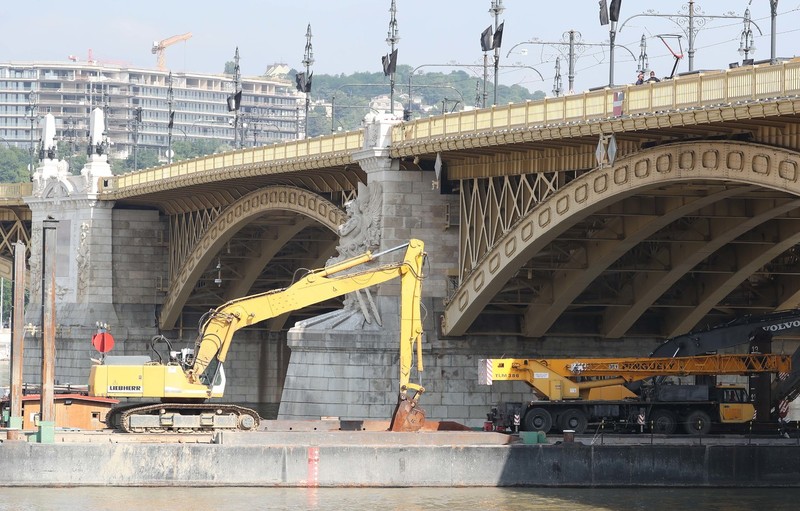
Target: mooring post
[(47, 411), (17, 335)]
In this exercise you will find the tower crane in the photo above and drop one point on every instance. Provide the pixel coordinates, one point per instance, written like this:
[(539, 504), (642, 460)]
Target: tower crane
[(160, 46)]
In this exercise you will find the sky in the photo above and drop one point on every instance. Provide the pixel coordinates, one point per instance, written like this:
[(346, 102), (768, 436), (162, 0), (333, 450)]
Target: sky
[(350, 35)]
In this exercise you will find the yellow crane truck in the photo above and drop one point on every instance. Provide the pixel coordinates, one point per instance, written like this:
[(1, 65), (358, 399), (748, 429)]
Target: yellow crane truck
[(190, 377), (574, 392)]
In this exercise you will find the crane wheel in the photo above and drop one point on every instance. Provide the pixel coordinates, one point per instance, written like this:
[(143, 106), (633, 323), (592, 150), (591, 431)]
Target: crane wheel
[(537, 419)]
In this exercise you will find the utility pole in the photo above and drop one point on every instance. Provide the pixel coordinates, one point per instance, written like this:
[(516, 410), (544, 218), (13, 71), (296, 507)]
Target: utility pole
[(392, 39), (571, 68), (773, 16), (308, 60)]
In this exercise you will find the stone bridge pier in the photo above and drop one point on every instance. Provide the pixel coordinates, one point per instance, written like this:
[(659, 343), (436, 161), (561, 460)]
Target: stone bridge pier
[(109, 262), (346, 363)]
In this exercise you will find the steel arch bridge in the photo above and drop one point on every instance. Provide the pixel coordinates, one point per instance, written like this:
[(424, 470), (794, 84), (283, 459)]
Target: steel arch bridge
[(653, 245)]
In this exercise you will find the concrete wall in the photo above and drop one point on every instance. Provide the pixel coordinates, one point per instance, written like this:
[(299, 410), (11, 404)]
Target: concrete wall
[(279, 464)]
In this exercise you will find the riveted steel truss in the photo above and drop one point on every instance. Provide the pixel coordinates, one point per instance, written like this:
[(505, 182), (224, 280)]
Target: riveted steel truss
[(489, 207)]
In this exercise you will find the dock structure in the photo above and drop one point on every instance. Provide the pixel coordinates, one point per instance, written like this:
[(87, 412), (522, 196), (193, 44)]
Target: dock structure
[(383, 459)]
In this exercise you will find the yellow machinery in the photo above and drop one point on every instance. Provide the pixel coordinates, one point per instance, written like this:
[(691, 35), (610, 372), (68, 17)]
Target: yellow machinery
[(191, 376), (573, 391)]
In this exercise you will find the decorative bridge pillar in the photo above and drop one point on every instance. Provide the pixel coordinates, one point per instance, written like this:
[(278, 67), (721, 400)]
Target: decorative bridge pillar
[(90, 262), (346, 363)]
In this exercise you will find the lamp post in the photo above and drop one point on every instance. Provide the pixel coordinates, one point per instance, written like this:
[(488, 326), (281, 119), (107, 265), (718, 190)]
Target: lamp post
[(33, 112), (690, 23), (644, 63), (496, 10), (613, 16), (746, 45), (557, 85), (234, 102), (308, 60), (137, 121), (392, 39), (170, 117)]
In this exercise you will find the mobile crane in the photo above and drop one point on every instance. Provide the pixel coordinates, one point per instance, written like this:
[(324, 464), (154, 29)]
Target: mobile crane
[(757, 330), (572, 392), (190, 377)]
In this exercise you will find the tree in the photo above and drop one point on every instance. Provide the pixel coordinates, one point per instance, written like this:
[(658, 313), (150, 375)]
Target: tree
[(14, 163), (145, 158), (318, 121), (230, 67), (193, 148)]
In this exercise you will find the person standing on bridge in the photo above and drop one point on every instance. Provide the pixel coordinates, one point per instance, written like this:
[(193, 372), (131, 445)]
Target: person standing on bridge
[(653, 77), (640, 78)]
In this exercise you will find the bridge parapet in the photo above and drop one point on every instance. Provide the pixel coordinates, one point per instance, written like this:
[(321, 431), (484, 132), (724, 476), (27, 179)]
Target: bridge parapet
[(11, 193), (713, 88), (285, 157)]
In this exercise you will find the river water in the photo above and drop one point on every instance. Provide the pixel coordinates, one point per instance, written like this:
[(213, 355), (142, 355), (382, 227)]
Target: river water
[(396, 499)]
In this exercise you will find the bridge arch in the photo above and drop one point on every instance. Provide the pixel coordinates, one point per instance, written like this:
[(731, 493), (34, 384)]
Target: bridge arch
[(738, 164), (275, 198)]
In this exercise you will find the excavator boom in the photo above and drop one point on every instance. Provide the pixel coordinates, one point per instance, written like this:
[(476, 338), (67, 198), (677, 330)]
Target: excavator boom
[(202, 374)]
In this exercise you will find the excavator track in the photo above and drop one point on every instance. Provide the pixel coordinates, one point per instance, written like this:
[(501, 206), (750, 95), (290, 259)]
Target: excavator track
[(182, 418)]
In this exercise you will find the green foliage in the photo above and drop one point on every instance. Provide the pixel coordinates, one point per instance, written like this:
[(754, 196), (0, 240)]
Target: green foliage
[(450, 91), (7, 302), (74, 155), (145, 158), (192, 148), (14, 163), (230, 67)]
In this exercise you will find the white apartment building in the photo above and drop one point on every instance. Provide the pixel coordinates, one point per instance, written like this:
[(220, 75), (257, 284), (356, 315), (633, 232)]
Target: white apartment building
[(271, 109)]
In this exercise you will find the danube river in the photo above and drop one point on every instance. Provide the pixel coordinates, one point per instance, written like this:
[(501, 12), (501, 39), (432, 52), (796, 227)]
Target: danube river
[(396, 499)]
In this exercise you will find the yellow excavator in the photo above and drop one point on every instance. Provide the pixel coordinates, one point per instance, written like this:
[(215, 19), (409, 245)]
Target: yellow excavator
[(190, 377)]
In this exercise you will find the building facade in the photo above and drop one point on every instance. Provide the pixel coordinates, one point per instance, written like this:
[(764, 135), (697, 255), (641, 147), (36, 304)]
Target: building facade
[(137, 106)]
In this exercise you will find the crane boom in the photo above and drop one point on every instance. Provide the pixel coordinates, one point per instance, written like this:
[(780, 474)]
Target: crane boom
[(160, 46), (556, 378)]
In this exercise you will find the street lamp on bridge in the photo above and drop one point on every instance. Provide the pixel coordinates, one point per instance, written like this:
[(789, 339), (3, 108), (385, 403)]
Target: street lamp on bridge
[(33, 114)]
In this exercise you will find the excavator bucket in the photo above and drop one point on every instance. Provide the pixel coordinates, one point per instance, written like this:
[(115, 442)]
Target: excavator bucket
[(407, 417)]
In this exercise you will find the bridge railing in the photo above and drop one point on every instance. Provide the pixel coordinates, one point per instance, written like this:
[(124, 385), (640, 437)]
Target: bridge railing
[(319, 146), (13, 192), (700, 89)]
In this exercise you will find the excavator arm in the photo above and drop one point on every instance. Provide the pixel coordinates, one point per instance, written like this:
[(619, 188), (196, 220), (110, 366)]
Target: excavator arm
[(219, 325)]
